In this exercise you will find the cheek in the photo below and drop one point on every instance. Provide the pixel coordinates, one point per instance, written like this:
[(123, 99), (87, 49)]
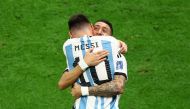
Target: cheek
[(109, 33), (95, 31)]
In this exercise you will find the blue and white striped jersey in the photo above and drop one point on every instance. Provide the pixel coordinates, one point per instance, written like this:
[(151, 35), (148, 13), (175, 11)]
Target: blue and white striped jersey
[(75, 49)]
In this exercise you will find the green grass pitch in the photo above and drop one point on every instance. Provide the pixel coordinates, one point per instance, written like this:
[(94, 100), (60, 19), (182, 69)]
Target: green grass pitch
[(32, 33)]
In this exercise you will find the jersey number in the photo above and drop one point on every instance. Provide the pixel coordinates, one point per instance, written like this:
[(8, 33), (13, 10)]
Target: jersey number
[(94, 74)]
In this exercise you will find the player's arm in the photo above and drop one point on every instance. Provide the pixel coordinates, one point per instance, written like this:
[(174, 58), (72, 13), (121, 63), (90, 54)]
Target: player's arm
[(90, 59), (69, 77), (107, 89)]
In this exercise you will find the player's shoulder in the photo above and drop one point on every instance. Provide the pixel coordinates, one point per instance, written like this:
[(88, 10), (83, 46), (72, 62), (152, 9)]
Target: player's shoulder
[(107, 38), (70, 41), (75, 40)]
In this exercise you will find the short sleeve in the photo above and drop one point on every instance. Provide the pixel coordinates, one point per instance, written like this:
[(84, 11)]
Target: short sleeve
[(120, 66)]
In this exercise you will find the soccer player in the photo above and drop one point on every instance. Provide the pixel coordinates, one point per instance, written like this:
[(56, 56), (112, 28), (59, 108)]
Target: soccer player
[(91, 59), (101, 28), (111, 72)]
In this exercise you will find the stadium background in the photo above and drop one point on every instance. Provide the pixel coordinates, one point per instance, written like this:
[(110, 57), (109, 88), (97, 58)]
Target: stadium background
[(32, 33)]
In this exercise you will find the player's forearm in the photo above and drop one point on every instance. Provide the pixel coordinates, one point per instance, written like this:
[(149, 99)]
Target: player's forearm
[(68, 78), (108, 89)]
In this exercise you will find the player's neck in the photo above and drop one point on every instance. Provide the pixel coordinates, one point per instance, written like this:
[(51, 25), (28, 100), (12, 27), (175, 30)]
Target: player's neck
[(80, 35)]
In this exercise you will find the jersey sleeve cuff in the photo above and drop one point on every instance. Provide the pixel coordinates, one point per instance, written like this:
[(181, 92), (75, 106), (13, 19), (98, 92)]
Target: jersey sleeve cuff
[(66, 70), (119, 73)]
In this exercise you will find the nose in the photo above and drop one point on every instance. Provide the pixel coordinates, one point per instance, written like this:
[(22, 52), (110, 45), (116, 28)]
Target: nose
[(100, 32)]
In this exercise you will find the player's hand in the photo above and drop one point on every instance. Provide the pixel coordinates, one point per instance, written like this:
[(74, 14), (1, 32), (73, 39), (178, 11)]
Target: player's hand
[(76, 91), (94, 58), (123, 47)]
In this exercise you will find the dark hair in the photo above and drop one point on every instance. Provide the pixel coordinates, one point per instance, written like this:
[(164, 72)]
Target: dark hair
[(77, 20), (108, 23)]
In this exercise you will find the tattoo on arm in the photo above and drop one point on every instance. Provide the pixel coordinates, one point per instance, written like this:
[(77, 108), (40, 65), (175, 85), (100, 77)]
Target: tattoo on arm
[(109, 89)]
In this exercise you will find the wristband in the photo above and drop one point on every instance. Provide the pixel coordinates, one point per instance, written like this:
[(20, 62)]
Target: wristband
[(83, 65), (84, 91)]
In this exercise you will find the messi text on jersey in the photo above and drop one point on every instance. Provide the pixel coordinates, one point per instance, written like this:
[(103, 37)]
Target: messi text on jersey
[(86, 46)]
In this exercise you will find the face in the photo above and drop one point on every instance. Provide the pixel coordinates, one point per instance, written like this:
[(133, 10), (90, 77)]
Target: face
[(102, 29)]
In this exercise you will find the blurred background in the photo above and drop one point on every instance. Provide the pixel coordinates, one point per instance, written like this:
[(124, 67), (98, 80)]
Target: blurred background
[(32, 33)]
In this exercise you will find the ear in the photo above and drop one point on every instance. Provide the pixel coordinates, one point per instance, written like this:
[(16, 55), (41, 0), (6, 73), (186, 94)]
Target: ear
[(92, 27), (70, 34)]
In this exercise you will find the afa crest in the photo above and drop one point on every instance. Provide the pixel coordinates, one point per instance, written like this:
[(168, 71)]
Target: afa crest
[(119, 65)]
